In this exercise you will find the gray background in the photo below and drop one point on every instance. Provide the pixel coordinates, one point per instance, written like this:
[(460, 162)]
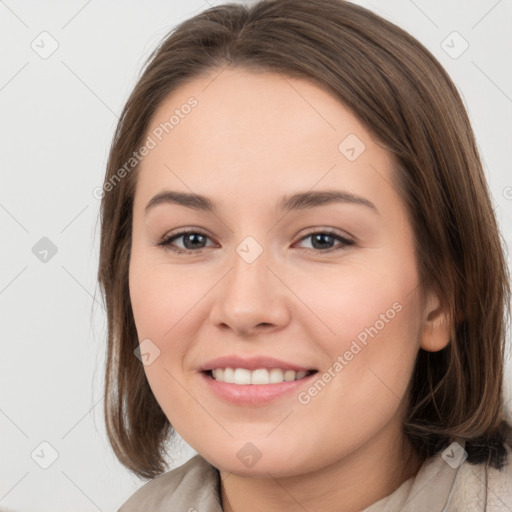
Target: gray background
[(57, 120)]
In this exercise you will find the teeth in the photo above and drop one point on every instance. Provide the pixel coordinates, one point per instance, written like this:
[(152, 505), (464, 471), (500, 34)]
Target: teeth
[(276, 375), (227, 375), (242, 376), (260, 377)]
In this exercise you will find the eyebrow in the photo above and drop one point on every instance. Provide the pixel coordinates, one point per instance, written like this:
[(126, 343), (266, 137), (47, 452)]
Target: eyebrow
[(299, 201)]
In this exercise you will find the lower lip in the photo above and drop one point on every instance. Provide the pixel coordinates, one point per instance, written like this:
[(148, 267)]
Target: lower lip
[(253, 394)]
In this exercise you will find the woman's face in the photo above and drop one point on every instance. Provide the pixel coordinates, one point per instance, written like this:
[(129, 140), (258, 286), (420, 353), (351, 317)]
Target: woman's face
[(304, 261)]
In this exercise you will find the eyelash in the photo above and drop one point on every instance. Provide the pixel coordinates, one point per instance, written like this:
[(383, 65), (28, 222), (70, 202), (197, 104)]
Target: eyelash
[(165, 243)]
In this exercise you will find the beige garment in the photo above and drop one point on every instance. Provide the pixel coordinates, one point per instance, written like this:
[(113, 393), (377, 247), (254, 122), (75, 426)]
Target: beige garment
[(437, 487)]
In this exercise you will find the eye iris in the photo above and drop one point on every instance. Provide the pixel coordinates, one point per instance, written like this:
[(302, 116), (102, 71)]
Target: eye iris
[(192, 237), (321, 237)]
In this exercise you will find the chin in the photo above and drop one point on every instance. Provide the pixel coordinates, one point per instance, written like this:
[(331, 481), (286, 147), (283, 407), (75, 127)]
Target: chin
[(245, 459)]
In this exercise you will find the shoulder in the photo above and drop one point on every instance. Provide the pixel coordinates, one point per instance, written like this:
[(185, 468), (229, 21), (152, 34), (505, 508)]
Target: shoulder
[(192, 486), (481, 487), (444, 484)]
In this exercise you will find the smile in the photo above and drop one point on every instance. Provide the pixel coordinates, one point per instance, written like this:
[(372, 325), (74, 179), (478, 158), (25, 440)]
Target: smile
[(255, 387), (260, 376)]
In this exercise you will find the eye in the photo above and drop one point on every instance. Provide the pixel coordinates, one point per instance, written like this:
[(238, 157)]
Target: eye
[(322, 241), (192, 240)]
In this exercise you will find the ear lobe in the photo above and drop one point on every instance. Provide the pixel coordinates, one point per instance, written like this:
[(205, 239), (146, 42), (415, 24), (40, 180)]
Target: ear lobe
[(436, 328)]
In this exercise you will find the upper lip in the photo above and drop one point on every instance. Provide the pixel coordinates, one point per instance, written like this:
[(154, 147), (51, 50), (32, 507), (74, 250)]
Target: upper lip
[(251, 363)]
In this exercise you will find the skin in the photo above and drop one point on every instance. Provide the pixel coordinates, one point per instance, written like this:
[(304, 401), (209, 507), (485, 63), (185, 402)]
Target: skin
[(251, 139)]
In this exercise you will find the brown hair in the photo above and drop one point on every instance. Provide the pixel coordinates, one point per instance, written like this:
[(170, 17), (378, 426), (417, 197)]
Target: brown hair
[(406, 99)]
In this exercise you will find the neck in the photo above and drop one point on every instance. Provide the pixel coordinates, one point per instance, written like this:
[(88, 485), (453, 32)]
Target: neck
[(351, 484)]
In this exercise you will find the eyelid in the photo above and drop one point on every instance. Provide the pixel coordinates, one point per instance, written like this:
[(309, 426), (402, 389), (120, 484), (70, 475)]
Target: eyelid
[(165, 241), (329, 231), (346, 240)]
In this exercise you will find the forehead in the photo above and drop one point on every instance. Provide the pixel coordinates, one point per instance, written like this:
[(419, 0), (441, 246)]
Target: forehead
[(236, 129), (240, 102)]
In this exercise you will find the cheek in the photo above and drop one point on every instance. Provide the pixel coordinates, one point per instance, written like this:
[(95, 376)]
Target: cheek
[(369, 328), (160, 315), (167, 303), (371, 353), (355, 300), (163, 297)]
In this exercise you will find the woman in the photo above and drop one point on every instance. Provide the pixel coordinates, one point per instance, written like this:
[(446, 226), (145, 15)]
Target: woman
[(335, 340)]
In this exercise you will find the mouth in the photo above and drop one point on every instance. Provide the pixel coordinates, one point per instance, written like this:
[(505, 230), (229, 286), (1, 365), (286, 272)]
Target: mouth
[(254, 380), (255, 388), (257, 377)]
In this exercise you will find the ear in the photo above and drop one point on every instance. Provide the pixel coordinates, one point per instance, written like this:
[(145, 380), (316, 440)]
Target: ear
[(436, 327)]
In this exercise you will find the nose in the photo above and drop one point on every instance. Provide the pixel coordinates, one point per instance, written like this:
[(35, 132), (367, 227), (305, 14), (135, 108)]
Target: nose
[(251, 299)]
